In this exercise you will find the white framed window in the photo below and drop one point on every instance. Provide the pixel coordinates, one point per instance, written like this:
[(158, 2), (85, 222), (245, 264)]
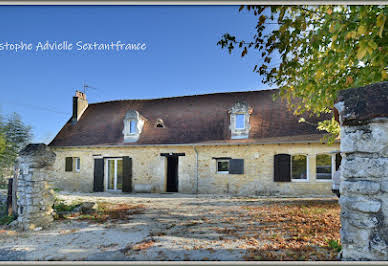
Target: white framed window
[(222, 166), (324, 167), (132, 127), (240, 121), (77, 162), (299, 168)]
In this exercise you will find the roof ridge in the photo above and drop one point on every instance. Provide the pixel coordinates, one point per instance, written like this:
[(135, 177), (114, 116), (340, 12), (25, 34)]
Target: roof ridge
[(182, 96)]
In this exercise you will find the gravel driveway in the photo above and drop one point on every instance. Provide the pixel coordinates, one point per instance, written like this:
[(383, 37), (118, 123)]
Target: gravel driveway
[(172, 227)]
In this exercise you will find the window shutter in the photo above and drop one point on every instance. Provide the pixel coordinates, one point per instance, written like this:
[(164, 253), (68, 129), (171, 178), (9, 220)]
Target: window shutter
[(69, 164), (98, 185), (127, 174), (282, 168), (236, 166), (338, 159)]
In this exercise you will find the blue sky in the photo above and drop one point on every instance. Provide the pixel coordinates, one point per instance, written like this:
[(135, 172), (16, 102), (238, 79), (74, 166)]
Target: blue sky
[(181, 57)]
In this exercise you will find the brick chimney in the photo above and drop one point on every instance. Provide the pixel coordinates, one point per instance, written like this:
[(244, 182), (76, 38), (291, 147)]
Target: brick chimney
[(79, 106)]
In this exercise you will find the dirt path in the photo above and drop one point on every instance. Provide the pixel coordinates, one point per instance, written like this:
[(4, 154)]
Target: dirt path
[(172, 227)]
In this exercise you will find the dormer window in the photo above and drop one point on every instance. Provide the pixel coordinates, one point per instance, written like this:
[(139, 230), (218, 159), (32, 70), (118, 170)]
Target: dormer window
[(239, 120), (132, 129), (133, 125), (159, 123)]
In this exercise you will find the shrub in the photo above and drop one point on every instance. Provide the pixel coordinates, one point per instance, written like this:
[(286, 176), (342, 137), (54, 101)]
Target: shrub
[(334, 244), (5, 220), (60, 206)]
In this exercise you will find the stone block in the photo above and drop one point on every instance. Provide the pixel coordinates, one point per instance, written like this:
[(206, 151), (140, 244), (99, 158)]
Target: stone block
[(379, 248), (384, 210), (384, 186), (371, 138), (364, 167), (351, 235), (361, 204), (360, 187), (371, 206), (359, 220), (38, 155)]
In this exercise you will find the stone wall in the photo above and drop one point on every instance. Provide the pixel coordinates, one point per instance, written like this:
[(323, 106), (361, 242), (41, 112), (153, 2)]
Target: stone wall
[(149, 168), (363, 116), (34, 194)]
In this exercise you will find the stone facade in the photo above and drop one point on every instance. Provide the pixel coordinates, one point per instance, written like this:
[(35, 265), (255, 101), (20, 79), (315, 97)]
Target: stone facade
[(149, 168), (35, 197), (363, 115)]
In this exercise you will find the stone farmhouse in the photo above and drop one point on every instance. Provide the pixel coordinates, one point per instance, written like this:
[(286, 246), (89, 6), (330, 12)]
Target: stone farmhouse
[(238, 143)]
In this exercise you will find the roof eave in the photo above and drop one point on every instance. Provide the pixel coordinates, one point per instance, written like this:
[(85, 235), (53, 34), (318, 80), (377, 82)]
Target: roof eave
[(195, 144)]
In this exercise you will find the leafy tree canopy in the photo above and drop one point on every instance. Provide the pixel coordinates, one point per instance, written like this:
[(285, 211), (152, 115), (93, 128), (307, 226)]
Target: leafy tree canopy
[(322, 49), (14, 135)]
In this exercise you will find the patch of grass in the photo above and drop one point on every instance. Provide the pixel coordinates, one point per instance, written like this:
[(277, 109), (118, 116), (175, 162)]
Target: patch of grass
[(114, 212), (87, 217), (334, 244), (105, 211), (57, 189), (5, 220), (118, 211), (60, 206)]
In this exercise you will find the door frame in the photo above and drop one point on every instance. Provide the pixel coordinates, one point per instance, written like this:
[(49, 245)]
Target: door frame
[(171, 154), (176, 173), (106, 173)]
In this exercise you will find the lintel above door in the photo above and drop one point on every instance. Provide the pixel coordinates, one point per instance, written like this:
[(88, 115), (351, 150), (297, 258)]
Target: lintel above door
[(172, 154)]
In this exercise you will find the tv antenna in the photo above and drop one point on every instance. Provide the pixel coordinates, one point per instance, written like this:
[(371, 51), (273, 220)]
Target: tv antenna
[(86, 86)]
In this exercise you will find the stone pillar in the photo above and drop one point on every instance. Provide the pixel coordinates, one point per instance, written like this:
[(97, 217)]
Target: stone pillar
[(35, 196), (363, 116)]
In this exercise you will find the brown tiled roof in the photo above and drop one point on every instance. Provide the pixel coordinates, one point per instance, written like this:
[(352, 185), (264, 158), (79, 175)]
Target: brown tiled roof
[(188, 120)]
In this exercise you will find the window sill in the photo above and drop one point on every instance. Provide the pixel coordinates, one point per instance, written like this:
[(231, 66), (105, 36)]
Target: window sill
[(113, 190), (223, 172), (300, 180), (324, 180)]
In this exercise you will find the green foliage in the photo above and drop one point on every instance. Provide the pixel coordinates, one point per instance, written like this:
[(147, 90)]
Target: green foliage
[(16, 132), (5, 220), (2, 143), (334, 244), (332, 127), (60, 206), (87, 217), (312, 52), (14, 135)]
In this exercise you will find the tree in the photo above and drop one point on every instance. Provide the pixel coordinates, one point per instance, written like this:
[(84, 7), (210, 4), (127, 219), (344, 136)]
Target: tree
[(16, 132), (321, 49), (14, 135)]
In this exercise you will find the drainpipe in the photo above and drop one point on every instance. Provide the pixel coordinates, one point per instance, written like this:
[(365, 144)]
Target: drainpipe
[(196, 166)]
